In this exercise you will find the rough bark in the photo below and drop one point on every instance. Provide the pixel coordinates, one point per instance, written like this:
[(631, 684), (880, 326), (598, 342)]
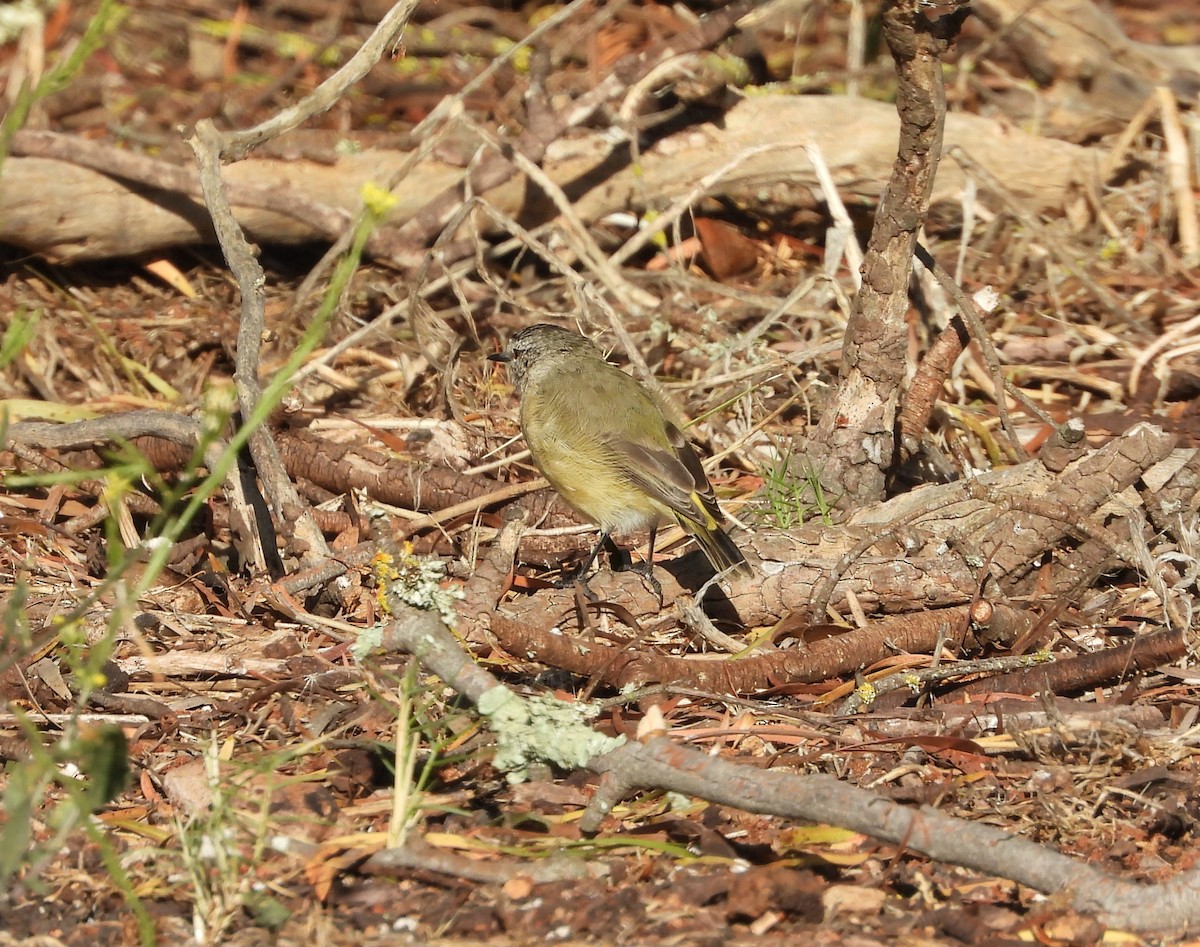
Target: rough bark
[(857, 432)]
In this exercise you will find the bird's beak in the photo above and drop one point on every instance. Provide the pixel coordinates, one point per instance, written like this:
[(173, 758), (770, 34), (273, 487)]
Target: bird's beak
[(500, 357)]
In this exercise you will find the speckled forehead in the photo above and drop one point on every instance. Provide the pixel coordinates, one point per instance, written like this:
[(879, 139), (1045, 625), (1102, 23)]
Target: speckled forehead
[(545, 337)]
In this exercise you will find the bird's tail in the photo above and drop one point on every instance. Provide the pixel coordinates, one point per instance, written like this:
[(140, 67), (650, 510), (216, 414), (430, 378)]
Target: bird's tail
[(722, 552)]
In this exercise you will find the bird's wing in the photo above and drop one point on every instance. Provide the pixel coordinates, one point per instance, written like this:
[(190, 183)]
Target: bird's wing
[(673, 476)]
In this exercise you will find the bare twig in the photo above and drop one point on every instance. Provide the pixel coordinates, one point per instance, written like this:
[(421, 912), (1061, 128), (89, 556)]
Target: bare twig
[(682, 204), (1185, 330), (532, 143), (974, 319), (475, 504), (107, 430), (209, 146), (237, 145), (1172, 905), (843, 226), (129, 426), (281, 493), (416, 855), (1066, 258), (1179, 172)]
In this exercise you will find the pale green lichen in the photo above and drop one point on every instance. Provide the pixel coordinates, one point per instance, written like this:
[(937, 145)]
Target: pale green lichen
[(678, 802), (368, 640), (417, 581), (541, 729), (408, 579)]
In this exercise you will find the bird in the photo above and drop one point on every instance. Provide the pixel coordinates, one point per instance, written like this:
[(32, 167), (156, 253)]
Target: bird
[(603, 442)]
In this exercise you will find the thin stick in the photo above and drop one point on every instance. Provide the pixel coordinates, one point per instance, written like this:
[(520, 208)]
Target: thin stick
[(1179, 175), (1148, 354), (974, 319), (474, 504), (660, 224), (843, 226), (632, 298), (238, 144)]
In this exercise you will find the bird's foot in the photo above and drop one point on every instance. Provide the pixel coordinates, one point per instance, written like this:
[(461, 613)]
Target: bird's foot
[(576, 578), (646, 571), (619, 560)]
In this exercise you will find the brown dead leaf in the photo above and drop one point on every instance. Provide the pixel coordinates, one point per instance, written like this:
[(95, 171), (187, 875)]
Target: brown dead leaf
[(1071, 928), (776, 888), (188, 788), (727, 251), (518, 888)]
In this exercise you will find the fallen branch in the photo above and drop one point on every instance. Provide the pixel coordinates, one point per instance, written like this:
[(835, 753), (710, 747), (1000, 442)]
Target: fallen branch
[(86, 214), (660, 764), (830, 657), (1094, 78), (1168, 906)]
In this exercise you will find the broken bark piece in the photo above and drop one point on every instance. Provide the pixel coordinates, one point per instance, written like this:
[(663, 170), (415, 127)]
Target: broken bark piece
[(1068, 443)]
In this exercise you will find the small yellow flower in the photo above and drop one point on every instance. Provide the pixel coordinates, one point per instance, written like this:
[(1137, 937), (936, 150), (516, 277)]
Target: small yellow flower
[(377, 200)]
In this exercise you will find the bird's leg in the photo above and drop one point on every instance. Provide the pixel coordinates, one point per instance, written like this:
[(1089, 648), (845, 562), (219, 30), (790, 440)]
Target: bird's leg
[(580, 574), (647, 569), (619, 560), (622, 561)]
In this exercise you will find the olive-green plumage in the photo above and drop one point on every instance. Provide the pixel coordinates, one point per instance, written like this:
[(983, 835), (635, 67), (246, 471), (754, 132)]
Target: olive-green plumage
[(602, 441)]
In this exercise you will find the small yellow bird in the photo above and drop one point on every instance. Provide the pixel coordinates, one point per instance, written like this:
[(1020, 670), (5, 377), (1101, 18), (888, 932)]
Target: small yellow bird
[(602, 441)]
